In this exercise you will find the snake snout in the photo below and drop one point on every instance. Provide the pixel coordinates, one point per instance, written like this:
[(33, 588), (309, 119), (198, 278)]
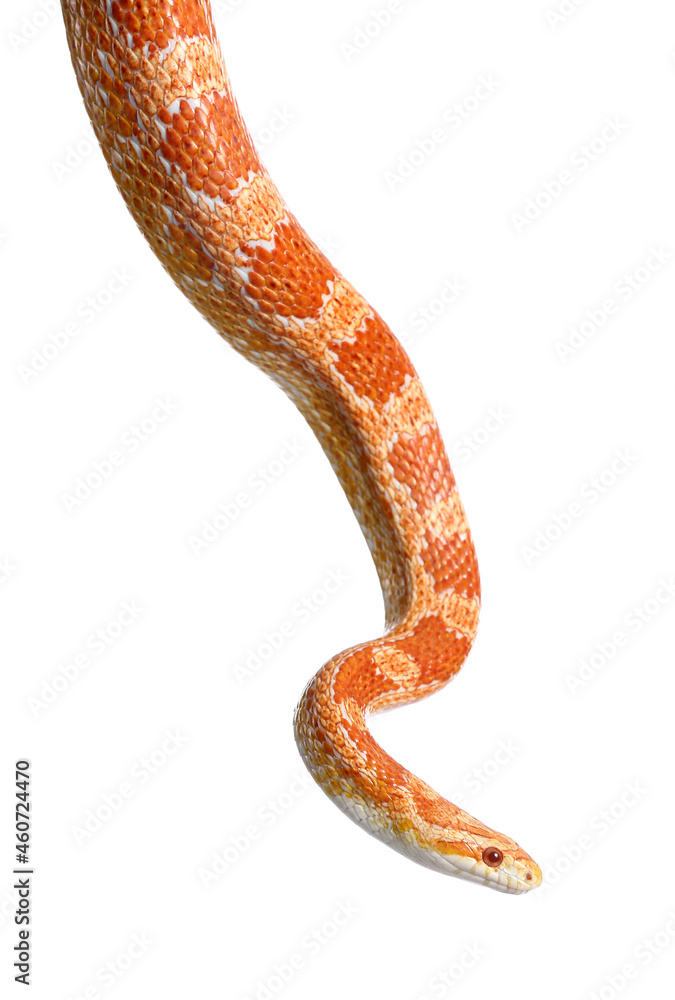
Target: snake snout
[(532, 875)]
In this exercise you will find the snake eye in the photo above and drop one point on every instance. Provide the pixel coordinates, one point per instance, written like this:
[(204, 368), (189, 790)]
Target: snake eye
[(493, 857)]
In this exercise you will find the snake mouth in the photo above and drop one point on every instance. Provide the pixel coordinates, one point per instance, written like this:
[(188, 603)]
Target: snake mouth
[(515, 878), (506, 880), (531, 879)]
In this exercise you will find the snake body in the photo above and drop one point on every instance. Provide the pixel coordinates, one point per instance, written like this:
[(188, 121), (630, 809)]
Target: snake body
[(156, 90)]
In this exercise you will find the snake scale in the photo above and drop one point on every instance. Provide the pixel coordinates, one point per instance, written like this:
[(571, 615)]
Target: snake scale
[(158, 96)]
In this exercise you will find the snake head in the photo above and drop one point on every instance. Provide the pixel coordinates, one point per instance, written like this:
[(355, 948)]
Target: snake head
[(488, 858), (510, 870)]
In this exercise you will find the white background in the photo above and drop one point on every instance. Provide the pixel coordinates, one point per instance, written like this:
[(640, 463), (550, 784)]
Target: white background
[(571, 754)]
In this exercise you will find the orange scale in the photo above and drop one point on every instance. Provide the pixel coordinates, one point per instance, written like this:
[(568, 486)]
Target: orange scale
[(155, 19), (119, 51), (203, 273), (180, 126), (110, 121), (188, 253), (187, 267), (206, 263), (205, 155), (107, 83), (118, 88), (195, 131), (192, 240), (175, 234), (301, 306), (114, 104), (186, 111), (167, 152), (276, 271), (263, 255), (216, 175)]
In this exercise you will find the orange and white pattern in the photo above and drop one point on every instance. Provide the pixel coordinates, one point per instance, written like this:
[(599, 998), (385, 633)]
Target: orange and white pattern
[(155, 87)]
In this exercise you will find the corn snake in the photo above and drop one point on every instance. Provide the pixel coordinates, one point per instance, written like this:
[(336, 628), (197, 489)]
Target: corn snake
[(156, 90)]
